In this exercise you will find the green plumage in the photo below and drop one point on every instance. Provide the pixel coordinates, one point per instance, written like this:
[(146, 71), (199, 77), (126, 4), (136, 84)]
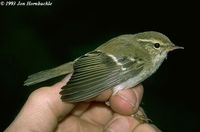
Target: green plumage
[(120, 63)]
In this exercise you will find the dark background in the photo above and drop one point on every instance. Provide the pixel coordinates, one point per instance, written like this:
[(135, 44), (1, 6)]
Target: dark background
[(38, 38)]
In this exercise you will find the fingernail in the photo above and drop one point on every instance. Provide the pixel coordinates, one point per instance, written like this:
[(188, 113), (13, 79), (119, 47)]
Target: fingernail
[(66, 78), (110, 130), (118, 125), (157, 130), (128, 98)]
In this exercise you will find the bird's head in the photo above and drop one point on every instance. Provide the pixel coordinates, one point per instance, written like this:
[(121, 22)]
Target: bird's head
[(156, 44)]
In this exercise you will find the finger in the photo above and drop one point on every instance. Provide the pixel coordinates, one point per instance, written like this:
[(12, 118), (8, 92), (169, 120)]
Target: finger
[(121, 123), (146, 128), (74, 124), (94, 119), (104, 96), (97, 114), (80, 108), (127, 101), (43, 109), (60, 109)]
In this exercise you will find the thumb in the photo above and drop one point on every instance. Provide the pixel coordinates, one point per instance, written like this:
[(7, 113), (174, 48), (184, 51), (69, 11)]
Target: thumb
[(43, 110)]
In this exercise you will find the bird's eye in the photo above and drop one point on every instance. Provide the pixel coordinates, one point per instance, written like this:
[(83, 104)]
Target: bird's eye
[(156, 45)]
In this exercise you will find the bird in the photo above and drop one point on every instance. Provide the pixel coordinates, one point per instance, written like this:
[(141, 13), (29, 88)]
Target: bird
[(120, 63)]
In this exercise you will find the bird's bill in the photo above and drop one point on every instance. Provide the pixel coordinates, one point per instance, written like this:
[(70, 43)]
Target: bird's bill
[(174, 47)]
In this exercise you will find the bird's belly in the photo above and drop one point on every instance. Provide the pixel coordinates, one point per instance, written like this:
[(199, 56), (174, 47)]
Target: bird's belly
[(127, 84)]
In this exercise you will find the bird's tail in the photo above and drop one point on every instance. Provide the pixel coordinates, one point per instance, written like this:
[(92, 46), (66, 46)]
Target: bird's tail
[(49, 74)]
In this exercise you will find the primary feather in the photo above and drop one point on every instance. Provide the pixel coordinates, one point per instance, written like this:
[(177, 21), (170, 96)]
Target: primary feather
[(94, 73)]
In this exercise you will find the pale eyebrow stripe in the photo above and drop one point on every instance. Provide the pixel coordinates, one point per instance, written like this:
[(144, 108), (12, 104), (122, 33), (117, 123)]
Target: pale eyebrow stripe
[(149, 40)]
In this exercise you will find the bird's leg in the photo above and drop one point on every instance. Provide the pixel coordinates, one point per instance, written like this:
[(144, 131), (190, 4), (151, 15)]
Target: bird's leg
[(141, 116)]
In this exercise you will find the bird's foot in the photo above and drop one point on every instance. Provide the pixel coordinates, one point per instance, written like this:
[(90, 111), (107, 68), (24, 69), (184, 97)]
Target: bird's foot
[(141, 116)]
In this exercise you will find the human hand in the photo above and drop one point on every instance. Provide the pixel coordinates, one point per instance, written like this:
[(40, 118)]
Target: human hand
[(45, 112)]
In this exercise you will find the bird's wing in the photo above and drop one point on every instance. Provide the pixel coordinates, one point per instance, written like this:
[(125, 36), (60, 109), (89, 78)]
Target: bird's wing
[(48, 74), (94, 73)]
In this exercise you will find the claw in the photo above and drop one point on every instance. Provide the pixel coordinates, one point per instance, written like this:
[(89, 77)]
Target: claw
[(141, 116)]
